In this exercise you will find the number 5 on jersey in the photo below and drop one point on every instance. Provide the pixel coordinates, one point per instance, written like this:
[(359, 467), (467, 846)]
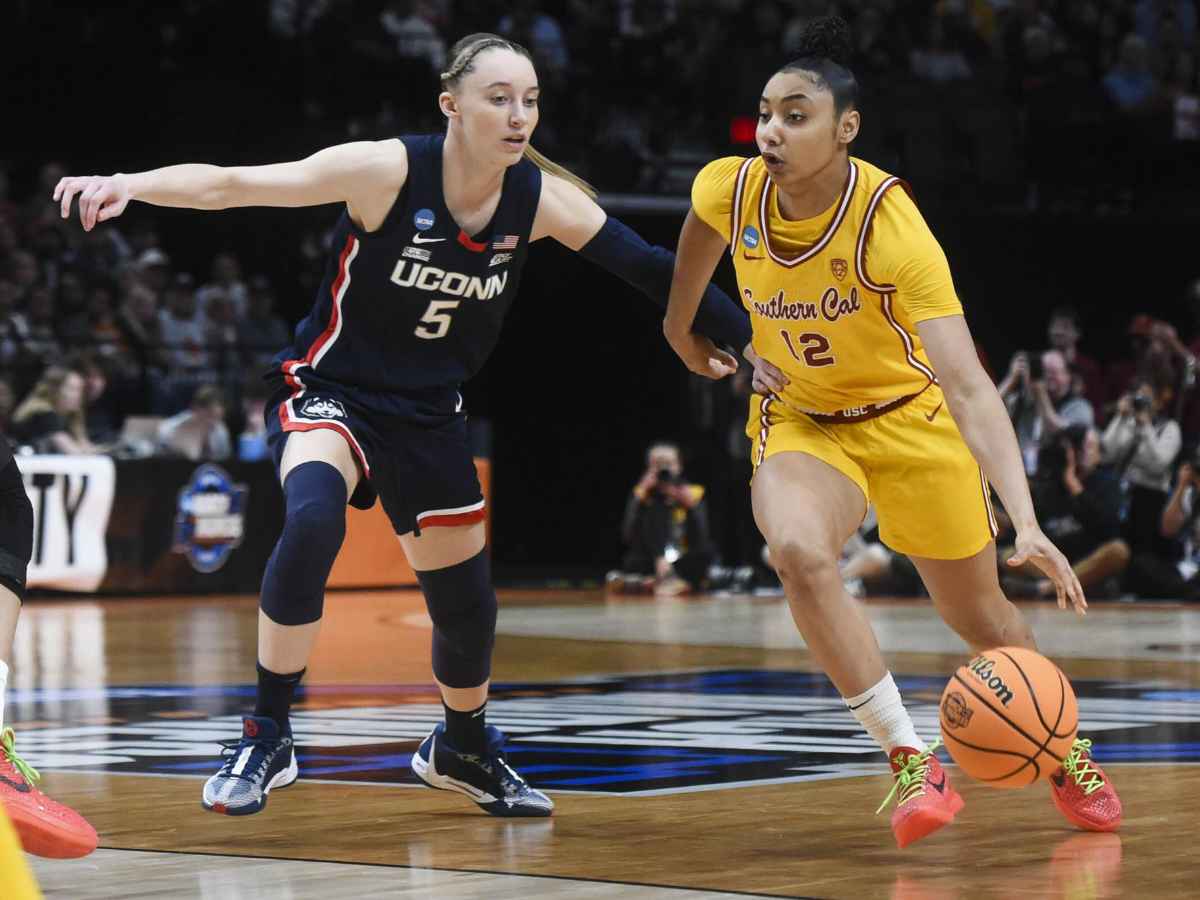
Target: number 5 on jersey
[(814, 348), (436, 321)]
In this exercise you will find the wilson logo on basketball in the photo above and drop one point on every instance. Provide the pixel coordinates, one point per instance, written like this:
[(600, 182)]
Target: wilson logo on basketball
[(981, 667), (955, 711)]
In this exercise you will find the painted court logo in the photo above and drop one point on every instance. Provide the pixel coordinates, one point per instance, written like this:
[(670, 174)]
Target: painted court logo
[(638, 735)]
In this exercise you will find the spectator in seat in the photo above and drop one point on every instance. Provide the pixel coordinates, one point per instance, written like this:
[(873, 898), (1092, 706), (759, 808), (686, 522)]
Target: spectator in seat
[(1063, 334), (51, 419), (199, 432)]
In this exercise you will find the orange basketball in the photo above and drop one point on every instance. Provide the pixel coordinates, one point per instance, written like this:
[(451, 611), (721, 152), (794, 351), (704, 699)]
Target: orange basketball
[(1009, 717)]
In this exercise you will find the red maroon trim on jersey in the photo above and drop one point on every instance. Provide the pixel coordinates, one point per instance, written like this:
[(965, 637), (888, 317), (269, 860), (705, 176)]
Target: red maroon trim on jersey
[(987, 503), (333, 328), (735, 211), (860, 253), (765, 220), (465, 240), (906, 339)]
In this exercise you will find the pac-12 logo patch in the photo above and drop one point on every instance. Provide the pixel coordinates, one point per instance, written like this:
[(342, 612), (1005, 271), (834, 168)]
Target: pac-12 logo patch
[(322, 408), (750, 236), (210, 519), (839, 268), (423, 219)]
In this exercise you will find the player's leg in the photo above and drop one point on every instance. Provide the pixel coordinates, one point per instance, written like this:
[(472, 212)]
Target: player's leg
[(806, 509), (465, 754), (318, 472), (45, 826)]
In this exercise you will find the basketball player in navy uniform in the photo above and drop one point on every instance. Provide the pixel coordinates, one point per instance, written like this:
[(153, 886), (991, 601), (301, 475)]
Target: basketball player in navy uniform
[(425, 263)]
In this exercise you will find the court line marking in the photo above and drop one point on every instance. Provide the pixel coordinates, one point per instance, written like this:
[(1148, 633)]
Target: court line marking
[(346, 862)]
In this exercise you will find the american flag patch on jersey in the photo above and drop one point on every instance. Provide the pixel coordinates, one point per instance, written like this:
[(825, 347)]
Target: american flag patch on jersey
[(507, 242)]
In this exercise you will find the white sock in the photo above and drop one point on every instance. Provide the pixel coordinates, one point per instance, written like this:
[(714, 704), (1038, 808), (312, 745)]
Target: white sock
[(881, 711), (3, 689)]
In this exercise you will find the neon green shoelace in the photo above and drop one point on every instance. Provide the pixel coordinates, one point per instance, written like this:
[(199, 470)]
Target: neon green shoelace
[(910, 779), (7, 738), (1080, 767)]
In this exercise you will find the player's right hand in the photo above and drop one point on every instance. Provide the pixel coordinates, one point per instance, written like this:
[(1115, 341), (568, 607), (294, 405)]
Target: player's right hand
[(101, 197), (767, 378)]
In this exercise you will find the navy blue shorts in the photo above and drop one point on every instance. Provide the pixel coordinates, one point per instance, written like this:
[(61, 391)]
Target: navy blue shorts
[(420, 466)]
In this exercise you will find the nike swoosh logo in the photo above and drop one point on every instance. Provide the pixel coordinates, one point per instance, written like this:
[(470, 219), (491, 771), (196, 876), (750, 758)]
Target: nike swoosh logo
[(864, 703), (940, 787), (22, 786), (417, 239), (930, 417)]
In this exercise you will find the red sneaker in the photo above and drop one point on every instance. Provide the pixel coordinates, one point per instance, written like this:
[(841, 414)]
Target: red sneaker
[(925, 801), (45, 826), (1083, 793)]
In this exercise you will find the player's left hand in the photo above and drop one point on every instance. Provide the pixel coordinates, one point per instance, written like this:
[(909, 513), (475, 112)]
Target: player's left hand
[(702, 356), (1033, 546)]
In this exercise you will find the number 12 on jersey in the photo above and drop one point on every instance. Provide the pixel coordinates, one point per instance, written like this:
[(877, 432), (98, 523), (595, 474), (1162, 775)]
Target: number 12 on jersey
[(436, 321), (814, 348)]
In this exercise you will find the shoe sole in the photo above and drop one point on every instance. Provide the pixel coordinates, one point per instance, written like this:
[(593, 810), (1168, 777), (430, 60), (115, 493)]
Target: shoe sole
[(927, 825), (281, 780), (431, 779), (48, 840)]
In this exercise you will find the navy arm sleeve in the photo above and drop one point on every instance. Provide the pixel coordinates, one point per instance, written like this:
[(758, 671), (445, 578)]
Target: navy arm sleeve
[(622, 251)]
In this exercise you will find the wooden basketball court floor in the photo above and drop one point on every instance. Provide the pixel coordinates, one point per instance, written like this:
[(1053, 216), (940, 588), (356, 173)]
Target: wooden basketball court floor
[(690, 748)]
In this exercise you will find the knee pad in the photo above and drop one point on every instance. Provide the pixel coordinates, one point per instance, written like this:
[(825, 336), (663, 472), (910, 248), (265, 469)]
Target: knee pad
[(314, 526), (462, 604), (16, 530)]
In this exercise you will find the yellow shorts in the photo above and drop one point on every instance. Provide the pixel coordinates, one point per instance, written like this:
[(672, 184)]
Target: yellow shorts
[(930, 495)]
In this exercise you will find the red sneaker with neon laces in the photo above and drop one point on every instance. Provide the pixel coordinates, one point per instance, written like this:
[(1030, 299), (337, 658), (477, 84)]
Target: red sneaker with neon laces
[(925, 801), (45, 827), (1083, 793)]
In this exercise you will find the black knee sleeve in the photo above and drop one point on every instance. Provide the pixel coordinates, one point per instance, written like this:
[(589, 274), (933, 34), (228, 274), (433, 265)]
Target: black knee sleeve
[(314, 526), (462, 604), (16, 529)]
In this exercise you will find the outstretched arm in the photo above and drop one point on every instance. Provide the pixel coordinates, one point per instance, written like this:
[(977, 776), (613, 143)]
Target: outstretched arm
[(981, 416), (700, 249), (365, 175), (573, 219)]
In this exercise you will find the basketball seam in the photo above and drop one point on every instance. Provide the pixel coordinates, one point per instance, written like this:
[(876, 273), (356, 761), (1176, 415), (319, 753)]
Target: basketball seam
[(1027, 760), (1037, 707), (1012, 724)]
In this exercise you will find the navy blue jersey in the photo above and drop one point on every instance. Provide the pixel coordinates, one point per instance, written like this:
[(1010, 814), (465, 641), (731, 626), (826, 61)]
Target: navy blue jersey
[(414, 308)]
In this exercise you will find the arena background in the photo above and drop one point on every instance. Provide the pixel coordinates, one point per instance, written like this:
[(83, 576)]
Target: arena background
[(1041, 192)]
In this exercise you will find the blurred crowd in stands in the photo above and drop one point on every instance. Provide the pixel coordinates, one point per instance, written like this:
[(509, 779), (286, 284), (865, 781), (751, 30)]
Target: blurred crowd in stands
[(107, 345)]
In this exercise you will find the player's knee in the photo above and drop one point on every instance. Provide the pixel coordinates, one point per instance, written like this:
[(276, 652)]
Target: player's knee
[(1118, 552), (314, 527), (462, 605), (803, 567)]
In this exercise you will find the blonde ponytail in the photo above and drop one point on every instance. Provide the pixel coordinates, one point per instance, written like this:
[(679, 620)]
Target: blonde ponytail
[(548, 165)]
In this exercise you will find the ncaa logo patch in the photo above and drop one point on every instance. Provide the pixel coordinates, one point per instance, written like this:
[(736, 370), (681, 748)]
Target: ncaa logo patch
[(423, 219), (323, 408), (210, 518), (750, 237)]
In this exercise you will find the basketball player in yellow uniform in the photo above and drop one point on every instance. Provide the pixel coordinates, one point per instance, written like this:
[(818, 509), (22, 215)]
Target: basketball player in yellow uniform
[(883, 401)]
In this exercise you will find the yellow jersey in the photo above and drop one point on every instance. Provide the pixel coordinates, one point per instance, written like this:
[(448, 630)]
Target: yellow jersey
[(834, 300)]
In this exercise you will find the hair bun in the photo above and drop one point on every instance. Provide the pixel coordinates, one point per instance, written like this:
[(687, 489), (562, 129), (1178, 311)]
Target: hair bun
[(826, 37)]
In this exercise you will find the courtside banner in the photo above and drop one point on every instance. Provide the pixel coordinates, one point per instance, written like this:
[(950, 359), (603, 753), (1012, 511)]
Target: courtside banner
[(72, 497)]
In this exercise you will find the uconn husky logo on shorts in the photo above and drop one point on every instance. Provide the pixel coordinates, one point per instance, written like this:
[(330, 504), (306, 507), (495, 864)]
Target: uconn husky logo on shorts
[(322, 408)]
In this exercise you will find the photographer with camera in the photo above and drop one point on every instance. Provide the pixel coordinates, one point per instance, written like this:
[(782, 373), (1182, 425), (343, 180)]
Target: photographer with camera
[(665, 527), (1038, 391), (1141, 442), (1078, 501)]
